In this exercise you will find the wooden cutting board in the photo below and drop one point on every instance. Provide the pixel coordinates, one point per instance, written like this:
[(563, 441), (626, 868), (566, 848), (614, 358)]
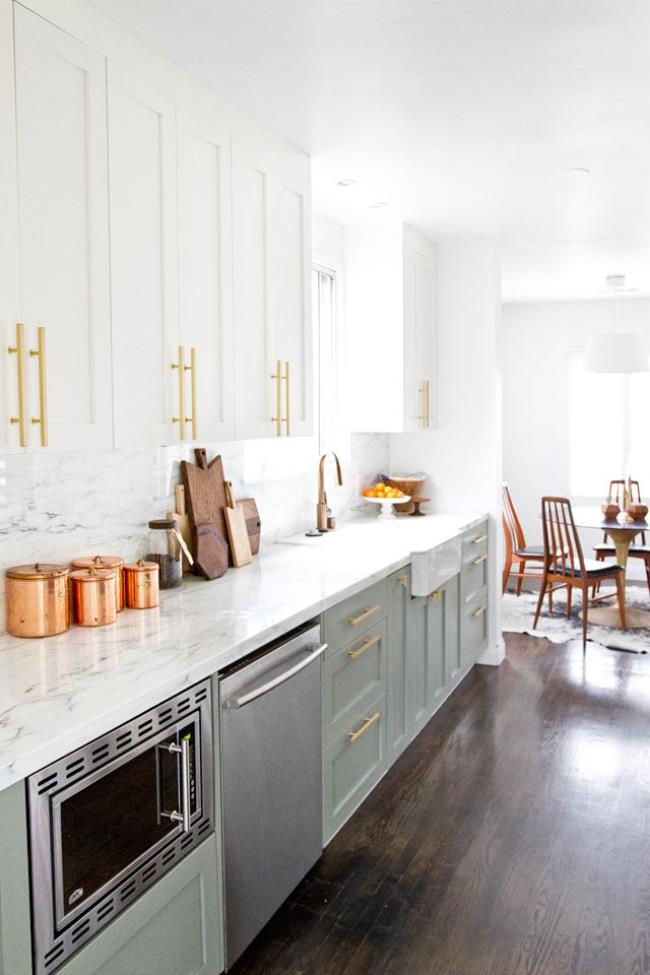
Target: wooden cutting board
[(183, 522), (240, 545), (205, 494), (211, 558), (253, 523)]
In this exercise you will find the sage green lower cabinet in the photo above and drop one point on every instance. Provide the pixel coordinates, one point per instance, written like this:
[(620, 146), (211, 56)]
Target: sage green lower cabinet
[(15, 923), (454, 664), (399, 725), (426, 647), (173, 929)]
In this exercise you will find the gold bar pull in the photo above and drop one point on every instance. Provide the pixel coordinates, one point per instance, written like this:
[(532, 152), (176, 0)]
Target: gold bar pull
[(368, 723), (19, 351), (180, 365), (39, 352), (362, 617), (359, 652), (277, 419), (403, 580), (287, 398), (480, 559), (436, 596), (479, 539), (423, 417), (427, 403), (192, 369), (479, 611)]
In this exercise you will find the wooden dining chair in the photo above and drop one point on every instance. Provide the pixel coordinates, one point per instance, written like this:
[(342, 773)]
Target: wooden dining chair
[(605, 550), (516, 550), (565, 564)]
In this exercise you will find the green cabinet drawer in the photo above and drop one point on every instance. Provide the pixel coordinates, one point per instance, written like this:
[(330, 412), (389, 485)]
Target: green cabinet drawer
[(474, 627), (473, 574), (173, 929), (426, 648), (352, 617), (351, 675), (353, 764), (475, 542)]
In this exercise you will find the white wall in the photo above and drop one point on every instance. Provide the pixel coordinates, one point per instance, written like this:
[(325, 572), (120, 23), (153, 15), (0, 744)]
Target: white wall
[(463, 454), (536, 340)]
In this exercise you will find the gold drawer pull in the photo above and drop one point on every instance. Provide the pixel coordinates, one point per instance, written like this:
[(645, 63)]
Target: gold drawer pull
[(479, 611), (403, 580), (480, 559), (19, 351), (353, 654), (180, 366), (368, 723), (192, 369), (39, 353), (479, 539), (362, 617), (435, 596)]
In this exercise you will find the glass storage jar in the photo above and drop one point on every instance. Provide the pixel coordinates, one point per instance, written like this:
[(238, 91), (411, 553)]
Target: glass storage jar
[(165, 551)]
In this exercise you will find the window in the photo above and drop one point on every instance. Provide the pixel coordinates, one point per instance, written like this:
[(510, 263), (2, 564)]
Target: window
[(328, 386), (612, 440)]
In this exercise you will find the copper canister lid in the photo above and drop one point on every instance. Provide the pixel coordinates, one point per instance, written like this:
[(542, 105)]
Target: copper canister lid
[(92, 574), (142, 566), (98, 562), (38, 570)]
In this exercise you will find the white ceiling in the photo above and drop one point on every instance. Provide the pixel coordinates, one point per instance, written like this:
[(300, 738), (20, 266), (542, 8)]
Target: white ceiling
[(463, 115)]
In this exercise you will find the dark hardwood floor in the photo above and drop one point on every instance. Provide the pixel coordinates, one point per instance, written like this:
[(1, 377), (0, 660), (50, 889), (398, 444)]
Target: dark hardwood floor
[(512, 837)]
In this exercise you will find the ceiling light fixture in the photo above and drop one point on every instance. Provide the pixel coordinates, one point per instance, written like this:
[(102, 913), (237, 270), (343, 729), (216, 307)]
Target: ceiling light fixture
[(614, 351), (345, 182)]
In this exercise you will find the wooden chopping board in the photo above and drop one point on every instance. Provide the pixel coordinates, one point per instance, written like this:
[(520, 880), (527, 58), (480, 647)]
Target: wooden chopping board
[(253, 523), (205, 494), (240, 545), (183, 522)]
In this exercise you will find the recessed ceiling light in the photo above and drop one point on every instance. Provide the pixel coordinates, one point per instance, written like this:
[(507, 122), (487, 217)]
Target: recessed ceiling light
[(378, 205), (345, 182), (578, 171)]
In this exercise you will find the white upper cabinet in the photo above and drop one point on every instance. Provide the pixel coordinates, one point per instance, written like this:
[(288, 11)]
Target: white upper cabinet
[(63, 236), (253, 308), (205, 274), (144, 263), (291, 246), (390, 329)]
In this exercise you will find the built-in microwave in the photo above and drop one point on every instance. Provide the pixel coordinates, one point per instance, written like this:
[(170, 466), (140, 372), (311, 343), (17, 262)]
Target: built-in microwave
[(109, 819)]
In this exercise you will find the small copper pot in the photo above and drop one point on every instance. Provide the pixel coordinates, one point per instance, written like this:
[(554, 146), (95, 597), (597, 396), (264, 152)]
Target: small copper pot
[(93, 597), (141, 584), (106, 562), (37, 600)]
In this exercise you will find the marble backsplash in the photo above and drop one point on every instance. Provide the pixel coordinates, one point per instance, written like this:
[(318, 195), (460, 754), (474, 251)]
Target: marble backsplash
[(57, 505)]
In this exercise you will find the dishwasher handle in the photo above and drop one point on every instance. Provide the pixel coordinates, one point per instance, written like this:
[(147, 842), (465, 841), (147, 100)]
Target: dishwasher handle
[(240, 702)]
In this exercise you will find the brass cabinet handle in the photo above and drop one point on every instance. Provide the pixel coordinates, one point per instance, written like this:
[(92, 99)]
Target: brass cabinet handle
[(403, 580), (368, 723), (435, 596), (479, 611), (19, 351), (277, 419), (480, 559), (192, 369), (39, 352), (180, 365), (354, 654), (427, 411), (362, 617), (479, 539), (423, 417), (287, 398)]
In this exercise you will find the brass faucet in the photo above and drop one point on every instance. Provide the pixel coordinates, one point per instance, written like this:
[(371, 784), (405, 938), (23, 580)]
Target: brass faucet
[(322, 510)]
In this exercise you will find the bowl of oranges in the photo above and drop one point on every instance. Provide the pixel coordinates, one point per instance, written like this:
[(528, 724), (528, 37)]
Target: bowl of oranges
[(386, 496)]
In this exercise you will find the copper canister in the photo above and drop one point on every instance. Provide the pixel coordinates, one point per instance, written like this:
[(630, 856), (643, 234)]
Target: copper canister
[(92, 593), (141, 584), (37, 600), (114, 562)]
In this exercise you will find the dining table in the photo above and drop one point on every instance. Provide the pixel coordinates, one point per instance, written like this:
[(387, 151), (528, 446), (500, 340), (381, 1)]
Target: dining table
[(621, 531)]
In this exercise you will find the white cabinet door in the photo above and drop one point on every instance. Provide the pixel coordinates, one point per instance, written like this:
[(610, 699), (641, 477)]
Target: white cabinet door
[(290, 241), (205, 272), (413, 415), (63, 231), (144, 268), (253, 306), (426, 331)]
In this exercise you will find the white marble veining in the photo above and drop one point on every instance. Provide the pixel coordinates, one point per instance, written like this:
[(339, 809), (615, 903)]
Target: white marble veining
[(57, 505), (60, 692)]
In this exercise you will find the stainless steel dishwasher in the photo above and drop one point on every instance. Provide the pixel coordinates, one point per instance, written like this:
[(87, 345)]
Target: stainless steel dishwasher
[(271, 779)]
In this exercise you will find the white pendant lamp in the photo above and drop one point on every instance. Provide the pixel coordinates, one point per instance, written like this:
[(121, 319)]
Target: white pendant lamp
[(614, 351)]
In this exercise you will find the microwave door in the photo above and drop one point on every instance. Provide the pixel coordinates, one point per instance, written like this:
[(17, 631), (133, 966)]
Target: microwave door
[(110, 822)]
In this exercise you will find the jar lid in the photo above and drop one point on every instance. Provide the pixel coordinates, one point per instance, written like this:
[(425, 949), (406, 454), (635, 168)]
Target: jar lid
[(163, 523), (92, 574), (38, 570), (98, 562), (142, 566)]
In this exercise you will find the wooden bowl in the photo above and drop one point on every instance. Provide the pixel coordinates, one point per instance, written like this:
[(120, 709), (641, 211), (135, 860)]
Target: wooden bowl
[(637, 512), (610, 510), (411, 486)]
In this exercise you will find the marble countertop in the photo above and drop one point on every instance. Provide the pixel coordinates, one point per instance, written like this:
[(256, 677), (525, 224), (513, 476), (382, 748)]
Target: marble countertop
[(61, 692)]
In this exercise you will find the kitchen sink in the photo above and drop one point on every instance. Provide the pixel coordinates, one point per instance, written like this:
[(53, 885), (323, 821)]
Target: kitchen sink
[(432, 568)]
